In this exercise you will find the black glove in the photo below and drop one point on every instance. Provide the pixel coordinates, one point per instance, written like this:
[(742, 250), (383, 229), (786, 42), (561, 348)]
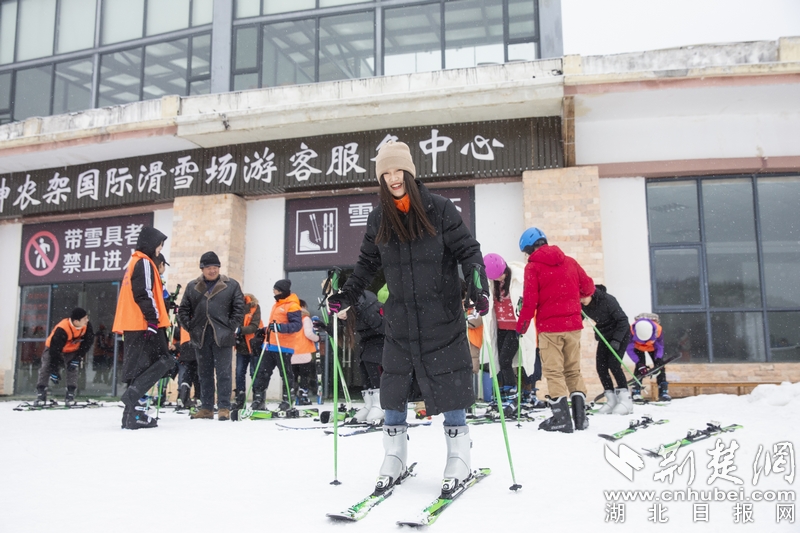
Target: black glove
[(274, 326), (151, 331), (340, 300), (74, 364), (614, 345), (477, 288), (55, 377)]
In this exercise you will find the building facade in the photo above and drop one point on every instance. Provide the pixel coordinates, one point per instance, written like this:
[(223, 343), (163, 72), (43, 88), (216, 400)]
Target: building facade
[(671, 176)]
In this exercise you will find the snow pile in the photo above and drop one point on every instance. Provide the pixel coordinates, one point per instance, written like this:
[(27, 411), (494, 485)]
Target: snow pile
[(785, 394)]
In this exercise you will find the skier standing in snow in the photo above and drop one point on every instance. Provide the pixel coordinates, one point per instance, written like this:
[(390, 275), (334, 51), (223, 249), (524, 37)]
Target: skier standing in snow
[(283, 329), (554, 286), (648, 337), (365, 319), (612, 323), (507, 289), (212, 310), (66, 345), (142, 318), (419, 239), (244, 358)]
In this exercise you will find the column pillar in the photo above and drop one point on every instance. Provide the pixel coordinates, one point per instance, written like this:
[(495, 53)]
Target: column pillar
[(565, 204)]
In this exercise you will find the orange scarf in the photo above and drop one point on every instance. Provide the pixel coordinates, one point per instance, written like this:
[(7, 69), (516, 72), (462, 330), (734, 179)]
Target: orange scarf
[(403, 204)]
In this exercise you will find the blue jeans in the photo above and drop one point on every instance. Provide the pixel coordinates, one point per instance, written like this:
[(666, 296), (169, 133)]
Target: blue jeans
[(457, 417)]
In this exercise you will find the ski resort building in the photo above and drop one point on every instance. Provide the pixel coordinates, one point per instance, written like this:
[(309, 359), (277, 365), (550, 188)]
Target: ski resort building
[(248, 127)]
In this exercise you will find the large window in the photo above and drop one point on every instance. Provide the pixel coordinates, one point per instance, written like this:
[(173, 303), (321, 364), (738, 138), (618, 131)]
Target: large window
[(725, 261), (41, 308), (36, 79), (306, 41)]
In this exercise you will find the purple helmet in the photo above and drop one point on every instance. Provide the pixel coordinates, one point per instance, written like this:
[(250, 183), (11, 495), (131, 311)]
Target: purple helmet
[(495, 265)]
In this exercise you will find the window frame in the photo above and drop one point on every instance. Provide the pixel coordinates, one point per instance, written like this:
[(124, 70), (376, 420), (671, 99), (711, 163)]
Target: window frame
[(705, 308)]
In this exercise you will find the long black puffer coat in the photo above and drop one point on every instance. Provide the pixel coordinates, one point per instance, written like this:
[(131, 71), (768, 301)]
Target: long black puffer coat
[(369, 327), (424, 325), (608, 316)]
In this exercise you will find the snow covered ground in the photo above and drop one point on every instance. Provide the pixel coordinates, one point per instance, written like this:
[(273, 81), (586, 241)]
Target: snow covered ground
[(77, 471)]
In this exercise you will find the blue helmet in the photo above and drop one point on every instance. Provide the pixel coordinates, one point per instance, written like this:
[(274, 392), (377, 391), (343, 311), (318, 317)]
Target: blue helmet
[(529, 239)]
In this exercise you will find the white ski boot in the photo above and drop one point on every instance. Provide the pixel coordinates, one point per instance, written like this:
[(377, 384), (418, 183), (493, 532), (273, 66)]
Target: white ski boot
[(361, 414), (395, 446), (458, 467), (611, 402), (624, 403), (375, 414)]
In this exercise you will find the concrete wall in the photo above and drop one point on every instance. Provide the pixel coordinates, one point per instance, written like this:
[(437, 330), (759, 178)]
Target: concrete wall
[(499, 219), (626, 252), (263, 261), (11, 239), (206, 223)]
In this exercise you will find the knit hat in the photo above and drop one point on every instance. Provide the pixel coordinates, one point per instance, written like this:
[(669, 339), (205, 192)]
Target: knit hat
[(209, 259), (283, 285), (78, 313), (394, 154)]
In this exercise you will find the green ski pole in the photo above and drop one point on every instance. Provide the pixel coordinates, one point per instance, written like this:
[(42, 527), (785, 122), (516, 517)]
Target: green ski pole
[(283, 369), (496, 388), (477, 281), (519, 384), (612, 349), (335, 410)]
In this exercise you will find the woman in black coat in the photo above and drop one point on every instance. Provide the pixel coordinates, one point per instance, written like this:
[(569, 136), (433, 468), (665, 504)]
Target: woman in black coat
[(612, 323), (419, 239)]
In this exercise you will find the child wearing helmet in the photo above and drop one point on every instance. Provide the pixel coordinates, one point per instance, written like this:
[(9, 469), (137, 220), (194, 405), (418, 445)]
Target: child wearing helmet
[(554, 286), (648, 337), (506, 284)]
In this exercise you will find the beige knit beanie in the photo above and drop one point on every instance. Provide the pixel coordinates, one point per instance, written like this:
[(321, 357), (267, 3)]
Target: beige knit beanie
[(394, 154)]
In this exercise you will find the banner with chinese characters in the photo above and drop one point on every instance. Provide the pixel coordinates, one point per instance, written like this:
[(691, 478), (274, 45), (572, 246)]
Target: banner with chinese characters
[(441, 152), (79, 250), (321, 232)]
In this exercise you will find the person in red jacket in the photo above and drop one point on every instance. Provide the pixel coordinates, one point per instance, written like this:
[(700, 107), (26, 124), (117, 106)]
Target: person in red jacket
[(554, 286)]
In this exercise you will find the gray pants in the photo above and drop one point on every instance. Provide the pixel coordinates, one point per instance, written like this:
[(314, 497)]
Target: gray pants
[(46, 369), (211, 357)]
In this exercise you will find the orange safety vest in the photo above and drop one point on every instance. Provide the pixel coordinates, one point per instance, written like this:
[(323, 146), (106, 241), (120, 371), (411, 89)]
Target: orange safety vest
[(648, 346), (129, 316), (279, 314), (247, 319), (74, 336), (185, 337), (304, 344), (475, 335)]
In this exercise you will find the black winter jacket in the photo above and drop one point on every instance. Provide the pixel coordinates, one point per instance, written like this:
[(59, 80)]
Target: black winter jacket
[(59, 340), (222, 309), (609, 317), (426, 338), (369, 327), (143, 276)]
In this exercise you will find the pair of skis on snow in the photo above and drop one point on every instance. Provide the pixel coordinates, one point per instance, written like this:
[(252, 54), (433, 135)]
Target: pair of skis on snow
[(427, 516), (250, 414), (350, 429), (53, 405), (694, 435)]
